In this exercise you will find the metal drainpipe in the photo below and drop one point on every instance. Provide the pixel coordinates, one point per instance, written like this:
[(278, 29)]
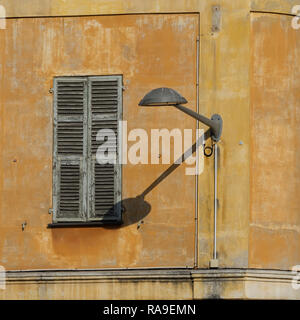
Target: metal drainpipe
[(215, 199), (197, 156), (214, 262)]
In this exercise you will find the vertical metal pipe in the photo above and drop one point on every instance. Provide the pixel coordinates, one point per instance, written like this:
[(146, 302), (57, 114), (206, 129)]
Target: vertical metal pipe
[(215, 198), (197, 154)]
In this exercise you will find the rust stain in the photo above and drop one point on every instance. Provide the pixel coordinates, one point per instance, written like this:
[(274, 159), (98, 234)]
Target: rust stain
[(275, 157), (35, 51)]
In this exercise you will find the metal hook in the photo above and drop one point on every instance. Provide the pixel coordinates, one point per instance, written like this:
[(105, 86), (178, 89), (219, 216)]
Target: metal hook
[(23, 225), (208, 154)]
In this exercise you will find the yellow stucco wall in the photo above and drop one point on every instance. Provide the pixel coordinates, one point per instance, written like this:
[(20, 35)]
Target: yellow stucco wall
[(140, 48), (274, 6), (224, 79), (18, 8), (220, 91), (275, 159)]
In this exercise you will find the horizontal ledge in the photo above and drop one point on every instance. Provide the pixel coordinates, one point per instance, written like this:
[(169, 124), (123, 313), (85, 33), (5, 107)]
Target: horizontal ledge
[(159, 271), (187, 275), (105, 223), (153, 283)]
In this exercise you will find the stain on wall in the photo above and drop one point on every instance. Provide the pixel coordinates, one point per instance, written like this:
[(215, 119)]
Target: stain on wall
[(275, 129), (149, 51)]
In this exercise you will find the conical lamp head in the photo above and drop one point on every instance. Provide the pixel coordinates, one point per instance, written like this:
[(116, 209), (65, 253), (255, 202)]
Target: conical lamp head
[(162, 97)]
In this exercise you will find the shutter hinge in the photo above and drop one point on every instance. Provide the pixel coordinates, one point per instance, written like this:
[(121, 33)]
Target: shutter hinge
[(123, 88), (50, 211), (51, 90)]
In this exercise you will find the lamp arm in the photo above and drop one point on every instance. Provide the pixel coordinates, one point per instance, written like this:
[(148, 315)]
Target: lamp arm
[(215, 123), (195, 115)]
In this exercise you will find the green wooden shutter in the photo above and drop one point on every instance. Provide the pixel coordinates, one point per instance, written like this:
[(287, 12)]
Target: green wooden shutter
[(70, 149), (105, 111)]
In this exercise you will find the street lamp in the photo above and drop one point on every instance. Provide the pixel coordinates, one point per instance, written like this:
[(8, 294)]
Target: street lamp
[(169, 97)]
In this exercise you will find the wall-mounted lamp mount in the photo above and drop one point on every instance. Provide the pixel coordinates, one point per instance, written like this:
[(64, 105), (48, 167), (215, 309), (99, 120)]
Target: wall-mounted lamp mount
[(169, 97)]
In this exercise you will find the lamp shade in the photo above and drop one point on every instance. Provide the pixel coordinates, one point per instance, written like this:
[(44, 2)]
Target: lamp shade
[(162, 97)]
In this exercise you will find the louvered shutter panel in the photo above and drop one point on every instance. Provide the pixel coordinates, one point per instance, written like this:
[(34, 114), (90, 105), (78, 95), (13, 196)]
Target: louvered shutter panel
[(70, 149), (105, 111)]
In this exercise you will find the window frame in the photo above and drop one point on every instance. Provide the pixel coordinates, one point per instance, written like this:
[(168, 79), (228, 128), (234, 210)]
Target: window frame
[(86, 189)]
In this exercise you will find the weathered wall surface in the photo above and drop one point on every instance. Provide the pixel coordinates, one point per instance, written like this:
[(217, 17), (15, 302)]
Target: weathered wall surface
[(274, 6), (150, 284), (32, 44), (19, 8), (224, 80), (275, 158), (150, 51)]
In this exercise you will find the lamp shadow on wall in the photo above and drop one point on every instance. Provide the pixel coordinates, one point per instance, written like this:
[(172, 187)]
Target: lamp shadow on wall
[(134, 210)]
